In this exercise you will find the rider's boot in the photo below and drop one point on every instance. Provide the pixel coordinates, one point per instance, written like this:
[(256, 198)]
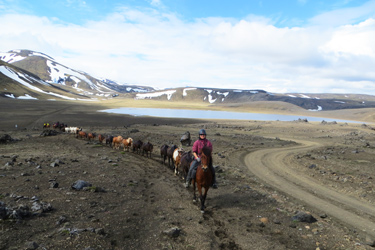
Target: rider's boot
[(187, 183)]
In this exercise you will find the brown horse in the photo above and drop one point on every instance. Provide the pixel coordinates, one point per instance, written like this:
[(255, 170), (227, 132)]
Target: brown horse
[(163, 152), (203, 176), (109, 140), (185, 162), (147, 147), (82, 134), (137, 146), (101, 138), (91, 136)]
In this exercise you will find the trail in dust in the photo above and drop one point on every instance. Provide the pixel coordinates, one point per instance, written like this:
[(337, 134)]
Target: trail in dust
[(272, 166)]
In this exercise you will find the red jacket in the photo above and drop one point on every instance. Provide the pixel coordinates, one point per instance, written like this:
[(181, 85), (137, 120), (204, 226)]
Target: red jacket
[(199, 144)]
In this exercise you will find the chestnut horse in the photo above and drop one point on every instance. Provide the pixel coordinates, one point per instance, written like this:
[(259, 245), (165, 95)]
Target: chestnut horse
[(82, 134), (116, 142), (203, 178), (127, 143)]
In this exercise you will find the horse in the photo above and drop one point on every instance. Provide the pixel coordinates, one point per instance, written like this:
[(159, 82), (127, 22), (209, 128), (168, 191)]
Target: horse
[(147, 147), (127, 143), (203, 177), (116, 142), (91, 136), (109, 140), (137, 146), (185, 162), (163, 152), (82, 134), (170, 155), (73, 130), (101, 138), (63, 126), (177, 159), (56, 125)]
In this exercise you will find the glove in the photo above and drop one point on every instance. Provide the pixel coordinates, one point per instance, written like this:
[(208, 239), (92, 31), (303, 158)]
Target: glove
[(198, 159)]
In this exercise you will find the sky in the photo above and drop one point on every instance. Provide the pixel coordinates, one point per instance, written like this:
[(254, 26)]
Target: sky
[(289, 46)]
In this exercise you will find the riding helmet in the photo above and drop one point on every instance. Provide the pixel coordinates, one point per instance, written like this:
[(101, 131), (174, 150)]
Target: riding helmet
[(202, 132)]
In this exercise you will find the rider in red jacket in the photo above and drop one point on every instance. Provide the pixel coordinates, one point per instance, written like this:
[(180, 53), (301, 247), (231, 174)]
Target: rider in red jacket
[(197, 150)]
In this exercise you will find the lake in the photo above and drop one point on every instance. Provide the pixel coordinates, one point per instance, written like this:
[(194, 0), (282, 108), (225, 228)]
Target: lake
[(209, 114)]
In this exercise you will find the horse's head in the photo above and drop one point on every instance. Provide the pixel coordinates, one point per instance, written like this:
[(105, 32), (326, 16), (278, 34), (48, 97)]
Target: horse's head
[(181, 151), (205, 158)]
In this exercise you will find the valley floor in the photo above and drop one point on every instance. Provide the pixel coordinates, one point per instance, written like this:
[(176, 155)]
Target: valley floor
[(267, 173)]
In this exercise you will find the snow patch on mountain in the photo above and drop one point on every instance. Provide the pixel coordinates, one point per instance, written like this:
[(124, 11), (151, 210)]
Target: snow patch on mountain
[(11, 57), (14, 56), (169, 94), (318, 109), (22, 79)]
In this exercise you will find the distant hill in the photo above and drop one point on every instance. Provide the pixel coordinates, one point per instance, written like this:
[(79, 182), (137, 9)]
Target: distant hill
[(56, 74), (28, 74)]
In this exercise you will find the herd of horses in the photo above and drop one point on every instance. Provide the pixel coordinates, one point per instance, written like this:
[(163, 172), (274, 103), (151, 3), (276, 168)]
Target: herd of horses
[(179, 160)]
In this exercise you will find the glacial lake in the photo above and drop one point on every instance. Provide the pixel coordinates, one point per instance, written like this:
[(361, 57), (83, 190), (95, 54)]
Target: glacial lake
[(209, 115)]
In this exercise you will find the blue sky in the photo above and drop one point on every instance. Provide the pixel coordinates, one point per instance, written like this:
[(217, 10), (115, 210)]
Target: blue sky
[(286, 46)]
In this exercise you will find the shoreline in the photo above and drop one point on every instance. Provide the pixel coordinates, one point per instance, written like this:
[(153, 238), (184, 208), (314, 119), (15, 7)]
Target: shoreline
[(32, 113)]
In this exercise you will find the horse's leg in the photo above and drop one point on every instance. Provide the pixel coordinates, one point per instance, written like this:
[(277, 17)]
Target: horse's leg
[(194, 195), (176, 171), (203, 198)]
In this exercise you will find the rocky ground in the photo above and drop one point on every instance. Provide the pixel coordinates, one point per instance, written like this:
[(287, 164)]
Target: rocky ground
[(138, 203)]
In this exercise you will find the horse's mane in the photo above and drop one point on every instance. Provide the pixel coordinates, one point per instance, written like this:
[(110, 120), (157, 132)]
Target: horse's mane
[(207, 152)]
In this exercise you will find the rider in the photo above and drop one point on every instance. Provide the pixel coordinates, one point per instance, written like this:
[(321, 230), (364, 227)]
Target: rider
[(197, 150)]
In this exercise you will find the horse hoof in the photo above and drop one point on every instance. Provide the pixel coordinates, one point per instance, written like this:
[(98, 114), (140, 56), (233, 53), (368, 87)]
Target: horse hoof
[(202, 211)]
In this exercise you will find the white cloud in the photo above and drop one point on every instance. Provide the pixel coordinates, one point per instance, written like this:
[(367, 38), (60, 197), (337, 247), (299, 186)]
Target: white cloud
[(158, 49), (344, 16), (358, 40)]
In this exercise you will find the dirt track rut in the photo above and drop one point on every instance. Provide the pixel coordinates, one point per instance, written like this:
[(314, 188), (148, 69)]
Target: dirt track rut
[(272, 167)]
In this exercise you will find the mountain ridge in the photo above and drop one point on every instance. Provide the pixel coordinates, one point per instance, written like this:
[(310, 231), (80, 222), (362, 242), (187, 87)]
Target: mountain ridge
[(38, 75)]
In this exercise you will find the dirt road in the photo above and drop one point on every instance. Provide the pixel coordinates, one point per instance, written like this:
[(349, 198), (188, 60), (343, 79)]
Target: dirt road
[(273, 167)]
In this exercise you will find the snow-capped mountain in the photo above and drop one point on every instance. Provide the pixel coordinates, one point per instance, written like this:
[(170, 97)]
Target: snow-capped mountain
[(26, 74), (49, 70)]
